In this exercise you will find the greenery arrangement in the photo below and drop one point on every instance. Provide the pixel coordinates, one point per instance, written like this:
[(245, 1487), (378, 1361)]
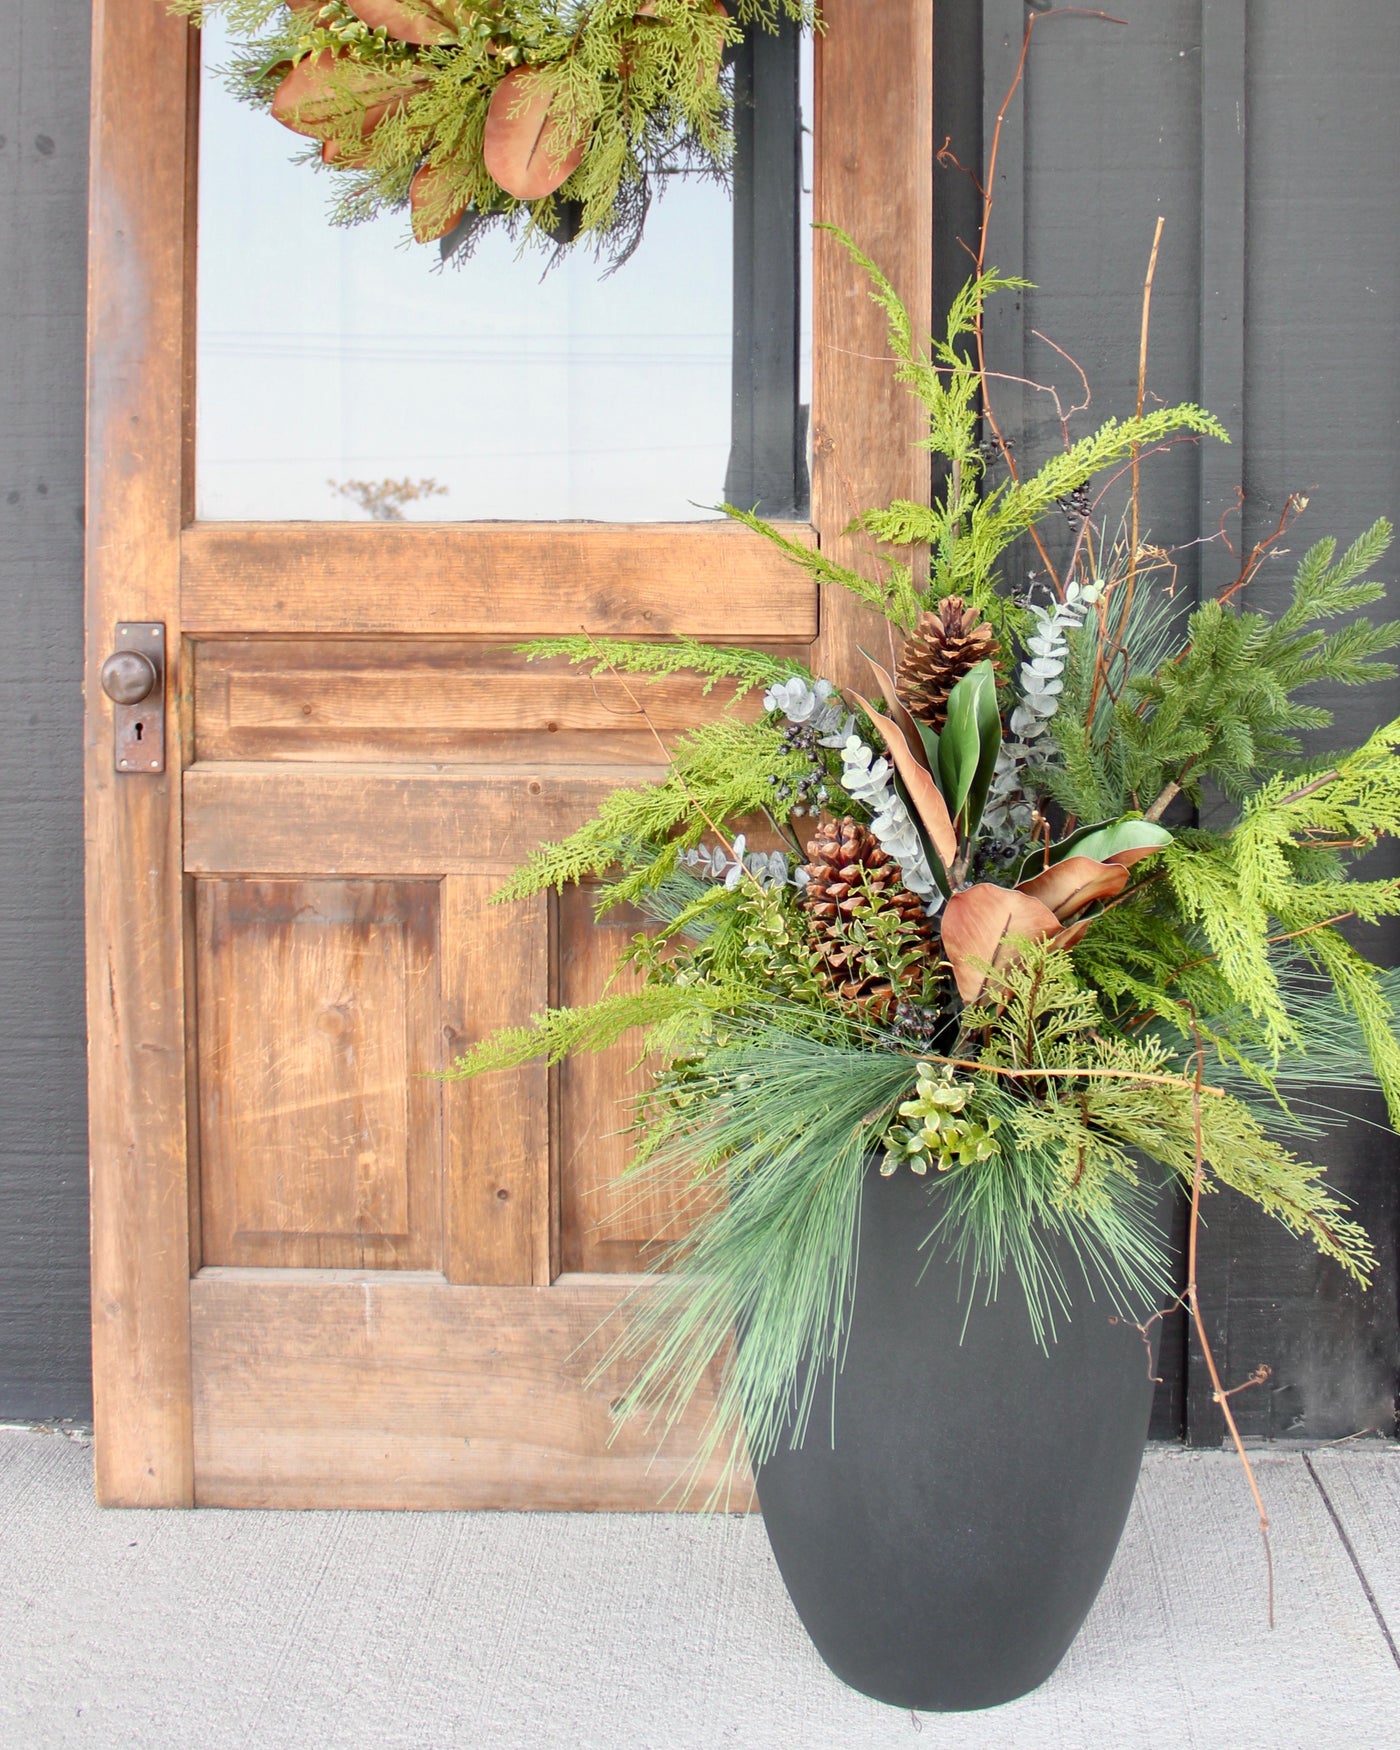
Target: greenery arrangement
[(968, 921), (554, 119)]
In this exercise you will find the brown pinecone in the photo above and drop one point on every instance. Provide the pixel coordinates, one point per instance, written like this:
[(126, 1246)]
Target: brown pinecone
[(847, 870), (945, 644)]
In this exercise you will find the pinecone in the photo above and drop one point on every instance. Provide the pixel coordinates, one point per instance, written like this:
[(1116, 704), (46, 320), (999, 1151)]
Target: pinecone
[(848, 874), (937, 654)]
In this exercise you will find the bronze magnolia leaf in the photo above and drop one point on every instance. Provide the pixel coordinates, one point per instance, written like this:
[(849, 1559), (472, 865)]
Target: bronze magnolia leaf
[(523, 147), (326, 91), (1074, 934), (432, 213), (648, 10), (1069, 886), (421, 24), (981, 927), (924, 794), (897, 710), (332, 152)]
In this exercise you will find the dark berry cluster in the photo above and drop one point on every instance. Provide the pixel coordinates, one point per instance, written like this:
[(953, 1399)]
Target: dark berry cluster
[(1077, 507), (993, 449), (807, 792), (918, 1023)]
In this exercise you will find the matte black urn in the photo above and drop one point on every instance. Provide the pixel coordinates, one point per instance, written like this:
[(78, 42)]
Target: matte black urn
[(945, 1547)]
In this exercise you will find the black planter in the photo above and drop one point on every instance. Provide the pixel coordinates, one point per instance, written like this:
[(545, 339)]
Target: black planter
[(945, 1546)]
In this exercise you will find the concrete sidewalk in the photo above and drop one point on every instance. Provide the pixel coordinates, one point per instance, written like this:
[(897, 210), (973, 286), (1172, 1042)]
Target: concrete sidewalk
[(652, 1632)]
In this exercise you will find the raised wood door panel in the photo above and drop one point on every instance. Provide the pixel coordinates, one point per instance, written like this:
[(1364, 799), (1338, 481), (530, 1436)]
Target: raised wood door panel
[(321, 1275), (449, 700), (320, 1140)]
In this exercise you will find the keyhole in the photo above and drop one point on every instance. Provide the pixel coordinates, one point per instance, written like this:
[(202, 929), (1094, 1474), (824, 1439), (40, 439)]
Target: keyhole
[(140, 730)]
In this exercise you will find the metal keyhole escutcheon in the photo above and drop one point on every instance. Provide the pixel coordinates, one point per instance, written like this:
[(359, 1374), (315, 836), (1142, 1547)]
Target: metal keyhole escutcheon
[(133, 678)]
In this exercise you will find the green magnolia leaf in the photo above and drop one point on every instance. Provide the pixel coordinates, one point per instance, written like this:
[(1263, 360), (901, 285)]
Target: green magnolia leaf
[(1041, 858), (1122, 842), (1107, 841), (989, 736), (968, 746), (959, 746), (929, 737)]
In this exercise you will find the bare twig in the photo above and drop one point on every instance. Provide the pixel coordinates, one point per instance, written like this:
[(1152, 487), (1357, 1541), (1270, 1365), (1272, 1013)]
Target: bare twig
[(1063, 414), (1103, 659), (980, 258), (1033, 1072), (1142, 395), (1294, 505), (1170, 792), (1219, 1394), (1326, 924), (1317, 783)]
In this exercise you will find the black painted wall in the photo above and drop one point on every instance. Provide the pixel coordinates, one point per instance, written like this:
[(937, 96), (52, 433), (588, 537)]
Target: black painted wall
[(1267, 134), (43, 1122)]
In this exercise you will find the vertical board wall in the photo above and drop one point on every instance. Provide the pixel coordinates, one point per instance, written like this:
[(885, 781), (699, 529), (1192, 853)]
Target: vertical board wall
[(1266, 133), (43, 1123)]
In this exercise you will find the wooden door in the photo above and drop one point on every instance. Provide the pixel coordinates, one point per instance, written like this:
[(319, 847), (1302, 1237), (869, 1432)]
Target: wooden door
[(320, 1277)]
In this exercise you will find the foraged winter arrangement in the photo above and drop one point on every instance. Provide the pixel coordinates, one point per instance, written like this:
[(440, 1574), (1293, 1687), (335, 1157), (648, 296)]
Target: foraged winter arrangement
[(947, 978), (555, 119)]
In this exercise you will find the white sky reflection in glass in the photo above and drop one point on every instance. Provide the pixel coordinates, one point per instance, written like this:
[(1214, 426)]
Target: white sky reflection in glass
[(327, 355)]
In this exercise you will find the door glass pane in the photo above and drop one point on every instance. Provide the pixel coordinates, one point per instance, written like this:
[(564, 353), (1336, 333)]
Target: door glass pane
[(334, 363)]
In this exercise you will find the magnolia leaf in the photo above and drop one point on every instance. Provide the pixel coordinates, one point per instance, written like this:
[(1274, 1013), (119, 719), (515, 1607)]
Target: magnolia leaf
[(914, 732), (1069, 886), (958, 747), (413, 23), (989, 739), (1125, 842), (969, 744), (327, 93), (1071, 937), (1107, 841), (433, 212), (523, 147), (982, 928), (925, 798)]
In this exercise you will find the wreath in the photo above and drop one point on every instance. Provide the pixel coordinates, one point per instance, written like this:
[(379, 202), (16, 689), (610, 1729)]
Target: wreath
[(556, 120)]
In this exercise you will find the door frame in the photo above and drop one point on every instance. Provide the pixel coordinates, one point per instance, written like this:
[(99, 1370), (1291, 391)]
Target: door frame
[(874, 166)]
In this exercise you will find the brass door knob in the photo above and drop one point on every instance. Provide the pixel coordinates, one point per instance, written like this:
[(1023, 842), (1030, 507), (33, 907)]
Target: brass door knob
[(128, 677)]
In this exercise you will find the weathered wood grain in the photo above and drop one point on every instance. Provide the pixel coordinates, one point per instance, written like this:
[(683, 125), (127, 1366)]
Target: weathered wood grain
[(415, 699), (135, 938), (349, 779), (604, 1224), (361, 1391), (495, 973), (362, 820), (873, 179), (320, 1130), (497, 579)]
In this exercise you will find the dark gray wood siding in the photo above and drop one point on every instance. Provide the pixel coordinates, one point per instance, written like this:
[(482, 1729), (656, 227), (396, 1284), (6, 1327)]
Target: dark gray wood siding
[(1264, 131), (43, 1140), (1267, 135)]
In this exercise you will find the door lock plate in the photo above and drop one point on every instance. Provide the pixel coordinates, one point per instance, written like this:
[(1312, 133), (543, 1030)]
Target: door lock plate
[(139, 729)]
